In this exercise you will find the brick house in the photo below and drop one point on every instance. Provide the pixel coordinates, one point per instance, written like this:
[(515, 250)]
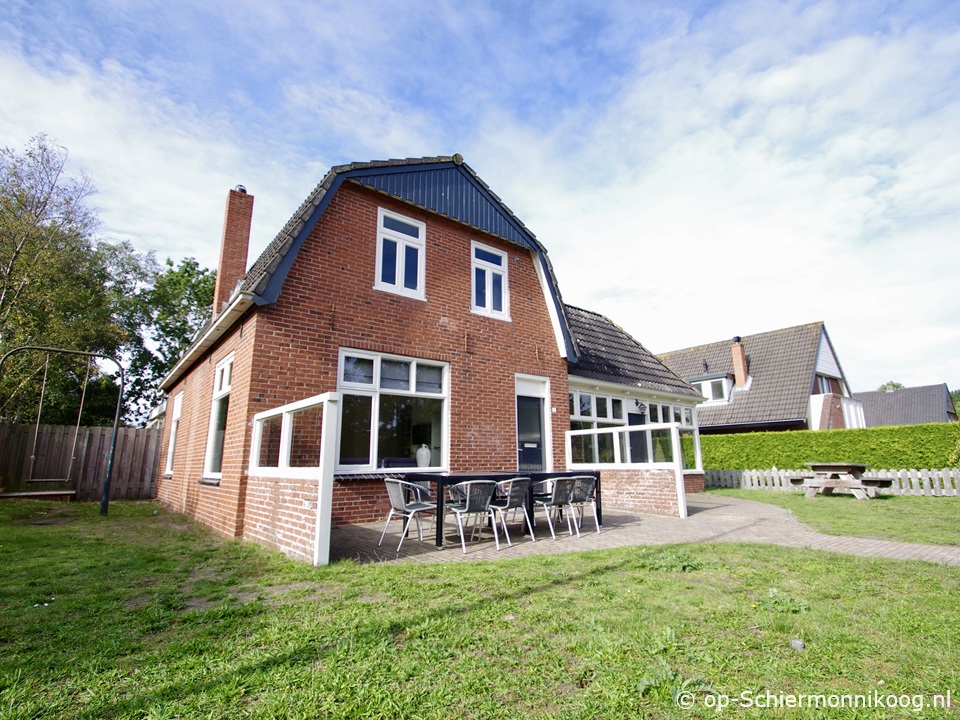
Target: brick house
[(404, 308)]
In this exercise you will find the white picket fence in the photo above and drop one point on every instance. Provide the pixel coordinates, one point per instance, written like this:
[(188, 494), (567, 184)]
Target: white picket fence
[(931, 483)]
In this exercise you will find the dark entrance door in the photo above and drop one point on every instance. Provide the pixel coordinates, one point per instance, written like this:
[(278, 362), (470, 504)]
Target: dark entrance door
[(638, 440), (530, 433)]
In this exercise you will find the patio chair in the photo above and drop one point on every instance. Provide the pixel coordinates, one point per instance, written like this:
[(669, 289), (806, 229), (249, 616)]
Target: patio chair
[(405, 502), (557, 501), (476, 495), (584, 493), (514, 498)]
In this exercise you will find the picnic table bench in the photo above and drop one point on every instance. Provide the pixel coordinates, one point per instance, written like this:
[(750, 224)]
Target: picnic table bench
[(828, 477)]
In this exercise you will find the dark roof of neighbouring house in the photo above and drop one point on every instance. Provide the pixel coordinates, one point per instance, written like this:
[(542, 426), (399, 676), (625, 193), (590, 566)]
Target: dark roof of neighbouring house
[(781, 365), (608, 353), (443, 185), (907, 406)]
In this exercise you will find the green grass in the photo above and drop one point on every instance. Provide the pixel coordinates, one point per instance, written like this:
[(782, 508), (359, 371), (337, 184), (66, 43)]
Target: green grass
[(145, 615), (927, 520)]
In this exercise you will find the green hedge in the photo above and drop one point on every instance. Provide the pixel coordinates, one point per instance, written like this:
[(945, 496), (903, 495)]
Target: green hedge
[(931, 446)]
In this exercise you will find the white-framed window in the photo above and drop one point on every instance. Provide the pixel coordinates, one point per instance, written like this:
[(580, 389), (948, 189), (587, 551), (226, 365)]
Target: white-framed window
[(715, 390), (621, 431), (222, 381), (390, 408), (174, 424), (491, 292), (827, 385), (401, 255)]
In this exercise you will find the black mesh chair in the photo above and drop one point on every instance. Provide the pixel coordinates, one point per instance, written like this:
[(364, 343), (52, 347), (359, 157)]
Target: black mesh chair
[(514, 498), (557, 501), (584, 493), (405, 502), (476, 496)]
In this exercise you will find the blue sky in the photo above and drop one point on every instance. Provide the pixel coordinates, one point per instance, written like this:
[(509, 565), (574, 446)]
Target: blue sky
[(697, 170)]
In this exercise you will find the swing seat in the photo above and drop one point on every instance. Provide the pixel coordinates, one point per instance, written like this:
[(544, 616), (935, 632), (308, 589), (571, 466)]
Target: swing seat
[(48, 480), (62, 495)]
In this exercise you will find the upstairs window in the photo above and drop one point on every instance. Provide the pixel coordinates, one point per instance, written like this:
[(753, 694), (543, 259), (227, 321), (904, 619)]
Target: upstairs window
[(401, 251), (490, 291), (827, 385), (715, 390)]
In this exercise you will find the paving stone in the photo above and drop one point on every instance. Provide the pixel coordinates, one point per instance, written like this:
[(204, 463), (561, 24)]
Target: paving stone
[(711, 518)]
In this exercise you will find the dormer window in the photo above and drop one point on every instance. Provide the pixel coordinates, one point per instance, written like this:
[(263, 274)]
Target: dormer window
[(715, 390), (401, 255)]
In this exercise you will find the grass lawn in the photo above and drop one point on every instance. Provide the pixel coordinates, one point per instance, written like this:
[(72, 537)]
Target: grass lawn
[(928, 520), (146, 615)]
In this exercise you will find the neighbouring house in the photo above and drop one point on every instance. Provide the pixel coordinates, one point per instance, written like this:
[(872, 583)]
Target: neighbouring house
[(788, 379), (405, 319), (908, 406)]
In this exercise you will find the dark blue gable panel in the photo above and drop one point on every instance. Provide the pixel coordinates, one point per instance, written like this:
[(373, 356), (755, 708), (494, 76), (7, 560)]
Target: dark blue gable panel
[(450, 191)]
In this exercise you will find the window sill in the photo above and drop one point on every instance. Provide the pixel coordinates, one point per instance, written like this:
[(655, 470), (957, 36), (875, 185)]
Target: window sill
[(392, 290), (214, 482), (492, 315)]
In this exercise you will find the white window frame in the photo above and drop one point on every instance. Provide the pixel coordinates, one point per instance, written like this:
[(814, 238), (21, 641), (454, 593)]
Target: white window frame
[(706, 390), (174, 424), (222, 383), (403, 241), (489, 269), (374, 390)]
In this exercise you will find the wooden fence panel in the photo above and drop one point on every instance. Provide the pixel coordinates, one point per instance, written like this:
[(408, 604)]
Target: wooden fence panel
[(135, 461), (923, 483)]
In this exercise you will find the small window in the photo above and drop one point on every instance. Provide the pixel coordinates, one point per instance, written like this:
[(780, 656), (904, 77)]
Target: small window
[(358, 370), (717, 390), (586, 405), (490, 290), (602, 407), (401, 250)]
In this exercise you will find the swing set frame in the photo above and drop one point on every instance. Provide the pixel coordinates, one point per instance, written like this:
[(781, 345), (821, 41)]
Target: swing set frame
[(105, 497)]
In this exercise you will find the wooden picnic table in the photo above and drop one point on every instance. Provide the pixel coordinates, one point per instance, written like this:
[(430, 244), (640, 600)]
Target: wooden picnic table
[(831, 476)]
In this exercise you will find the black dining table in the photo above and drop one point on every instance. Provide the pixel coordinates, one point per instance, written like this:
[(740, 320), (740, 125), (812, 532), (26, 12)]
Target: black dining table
[(446, 479)]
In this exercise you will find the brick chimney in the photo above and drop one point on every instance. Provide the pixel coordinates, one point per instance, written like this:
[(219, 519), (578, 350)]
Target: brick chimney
[(739, 362), (234, 245)]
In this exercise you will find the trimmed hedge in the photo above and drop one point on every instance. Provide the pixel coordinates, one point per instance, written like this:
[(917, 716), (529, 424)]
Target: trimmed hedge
[(933, 446)]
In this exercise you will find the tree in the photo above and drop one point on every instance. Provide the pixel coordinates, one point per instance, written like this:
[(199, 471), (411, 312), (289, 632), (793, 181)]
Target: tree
[(60, 286), (890, 385), (173, 310)]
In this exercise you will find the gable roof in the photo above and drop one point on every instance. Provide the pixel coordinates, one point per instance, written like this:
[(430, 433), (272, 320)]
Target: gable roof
[(446, 186), (781, 366), (608, 353), (907, 406)]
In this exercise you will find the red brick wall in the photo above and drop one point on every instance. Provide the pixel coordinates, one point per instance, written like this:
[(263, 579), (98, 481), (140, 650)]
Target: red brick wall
[(328, 302), (219, 506), (644, 491), (693, 482), (282, 514)]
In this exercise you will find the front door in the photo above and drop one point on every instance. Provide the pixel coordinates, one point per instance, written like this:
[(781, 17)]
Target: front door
[(530, 433), (638, 440)]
